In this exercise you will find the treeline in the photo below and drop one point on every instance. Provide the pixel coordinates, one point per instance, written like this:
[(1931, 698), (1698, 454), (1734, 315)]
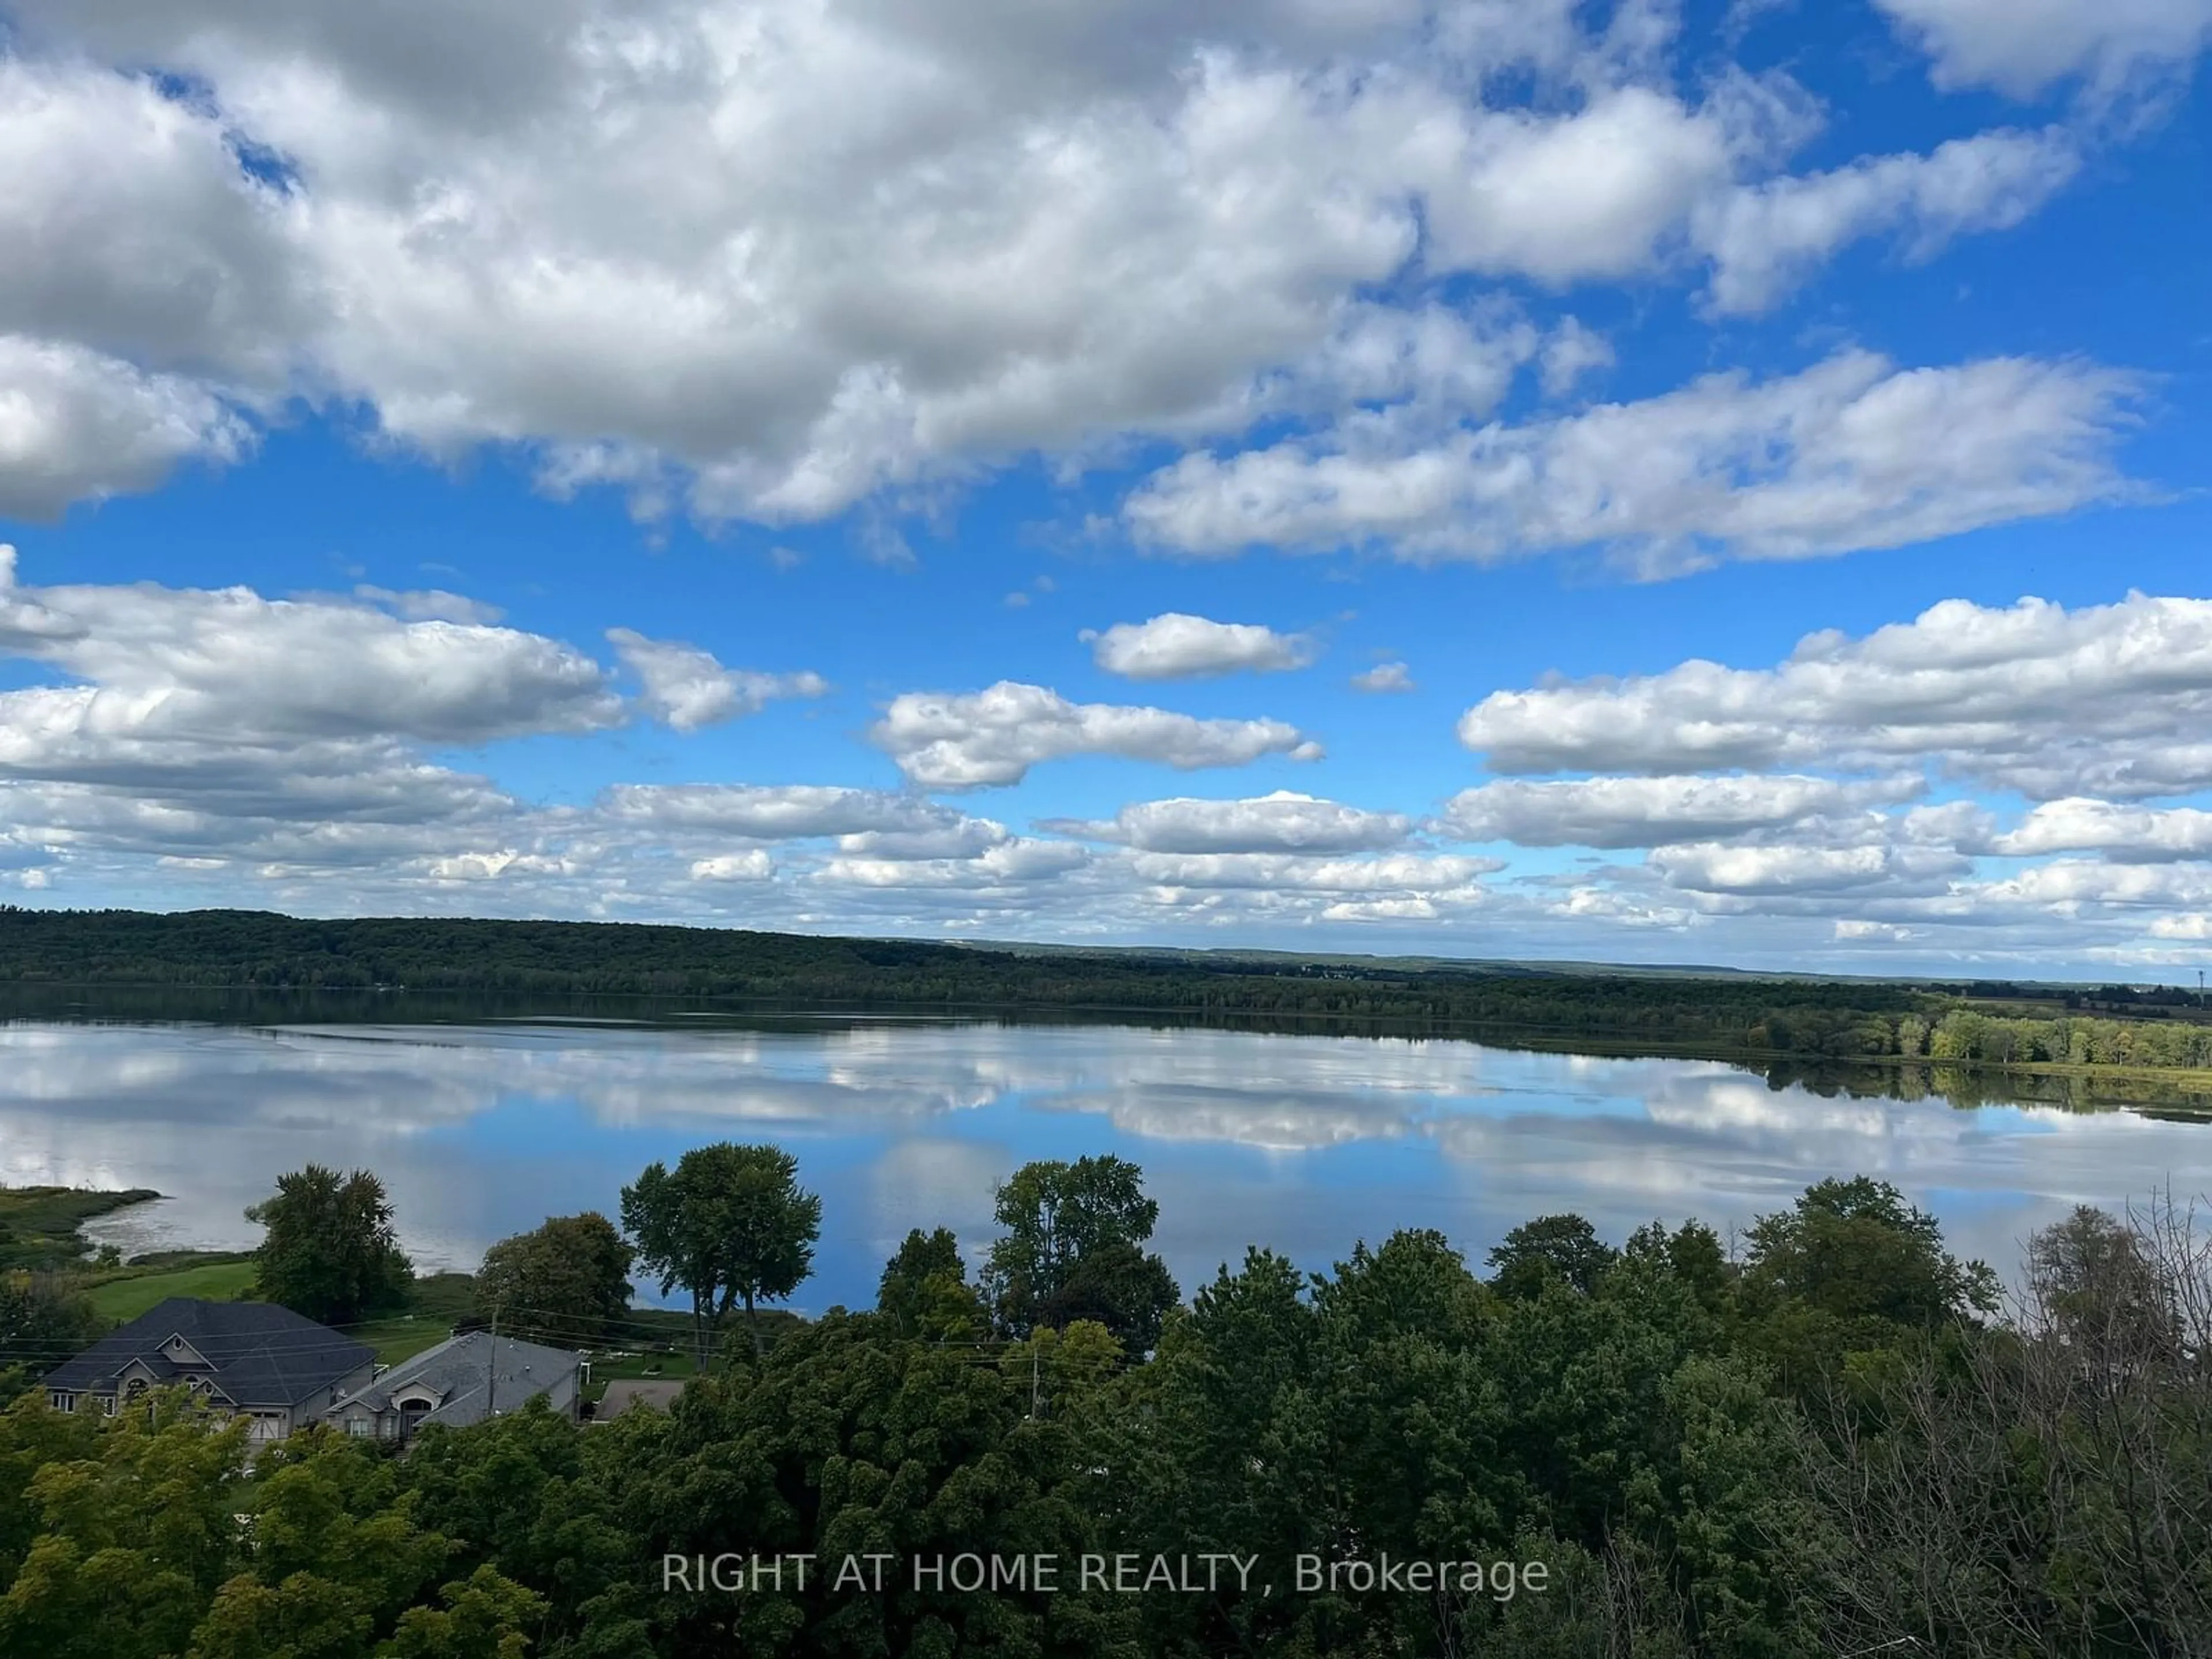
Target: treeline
[(1823, 1439), (273, 955), (1941, 1034)]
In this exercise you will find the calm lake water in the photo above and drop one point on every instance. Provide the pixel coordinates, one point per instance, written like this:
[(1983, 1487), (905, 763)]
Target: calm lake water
[(1306, 1143)]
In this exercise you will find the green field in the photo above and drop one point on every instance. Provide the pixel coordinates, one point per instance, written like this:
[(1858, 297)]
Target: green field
[(402, 1336), (128, 1298)]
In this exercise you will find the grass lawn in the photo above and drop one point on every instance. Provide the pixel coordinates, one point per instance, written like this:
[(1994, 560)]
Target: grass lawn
[(128, 1298), (607, 1366), (402, 1336)]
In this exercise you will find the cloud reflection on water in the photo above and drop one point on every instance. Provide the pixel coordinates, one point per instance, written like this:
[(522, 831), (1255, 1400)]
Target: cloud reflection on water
[(1304, 1143)]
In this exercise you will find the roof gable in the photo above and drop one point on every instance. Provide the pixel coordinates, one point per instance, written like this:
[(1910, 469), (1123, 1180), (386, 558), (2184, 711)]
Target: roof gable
[(257, 1354), (457, 1370)]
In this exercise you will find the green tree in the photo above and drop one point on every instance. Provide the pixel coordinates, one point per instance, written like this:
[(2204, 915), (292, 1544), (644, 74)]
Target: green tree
[(731, 1224), (1073, 1250), (1856, 1250), (925, 1291), (2094, 1285), (1691, 1254), (330, 1251), (553, 1510), (566, 1283), (484, 1616), (43, 1318), (1853, 1269), (1118, 1285), (841, 1441), (1562, 1246), (142, 1536)]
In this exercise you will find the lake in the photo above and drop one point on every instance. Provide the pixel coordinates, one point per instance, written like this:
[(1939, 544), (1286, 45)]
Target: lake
[(481, 1127)]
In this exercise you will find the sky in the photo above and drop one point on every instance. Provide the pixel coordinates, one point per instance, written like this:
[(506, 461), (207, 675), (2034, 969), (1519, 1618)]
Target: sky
[(1714, 484)]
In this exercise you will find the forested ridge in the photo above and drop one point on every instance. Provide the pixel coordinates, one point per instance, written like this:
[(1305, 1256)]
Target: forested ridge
[(1966, 1024)]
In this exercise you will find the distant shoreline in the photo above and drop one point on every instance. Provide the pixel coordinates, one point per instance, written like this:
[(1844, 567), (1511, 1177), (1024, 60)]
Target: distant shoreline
[(262, 967), (42, 1227)]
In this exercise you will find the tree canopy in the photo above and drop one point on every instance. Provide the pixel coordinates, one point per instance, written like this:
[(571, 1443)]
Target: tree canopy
[(566, 1282), (330, 1251), (1835, 1441), (145, 1536), (1073, 1250), (731, 1224), (1562, 1246), (925, 1292)]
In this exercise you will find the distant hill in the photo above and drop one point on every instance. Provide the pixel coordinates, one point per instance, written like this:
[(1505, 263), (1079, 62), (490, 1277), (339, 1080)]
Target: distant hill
[(262, 950), (1717, 1012), (1280, 959)]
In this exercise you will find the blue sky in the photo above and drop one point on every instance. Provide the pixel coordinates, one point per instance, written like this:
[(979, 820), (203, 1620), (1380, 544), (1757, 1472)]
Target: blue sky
[(1255, 475)]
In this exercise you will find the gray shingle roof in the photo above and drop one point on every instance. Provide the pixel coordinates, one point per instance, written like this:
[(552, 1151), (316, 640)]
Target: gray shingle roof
[(261, 1354), (457, 1372)]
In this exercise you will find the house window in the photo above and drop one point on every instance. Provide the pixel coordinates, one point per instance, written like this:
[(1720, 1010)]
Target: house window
[(64, 1402), (358, 1427)]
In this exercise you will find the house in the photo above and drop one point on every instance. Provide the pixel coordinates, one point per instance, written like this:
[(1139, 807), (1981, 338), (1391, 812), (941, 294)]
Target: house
[(252, 1359), (464, 1380), (631, 1393)]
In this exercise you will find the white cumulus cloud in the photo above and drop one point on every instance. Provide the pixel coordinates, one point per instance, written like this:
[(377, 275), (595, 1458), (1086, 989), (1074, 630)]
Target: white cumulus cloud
[(2126, 834), (77, 426), (1176, 645), (1384, 677), (992, 736), (776, 811), (1852, 453), (2022, 46), (1283, 821), (774, 260), (685, 688), (1619, 812), (228, 667), (1764, 238), (2105, 700)]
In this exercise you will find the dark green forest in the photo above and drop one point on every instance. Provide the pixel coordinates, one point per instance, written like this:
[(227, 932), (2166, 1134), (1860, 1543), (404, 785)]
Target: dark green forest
[(1823, 1437), (1858, 1020)]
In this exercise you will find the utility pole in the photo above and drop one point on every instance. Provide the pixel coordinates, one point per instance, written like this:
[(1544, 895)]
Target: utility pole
[(491, 1370)]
